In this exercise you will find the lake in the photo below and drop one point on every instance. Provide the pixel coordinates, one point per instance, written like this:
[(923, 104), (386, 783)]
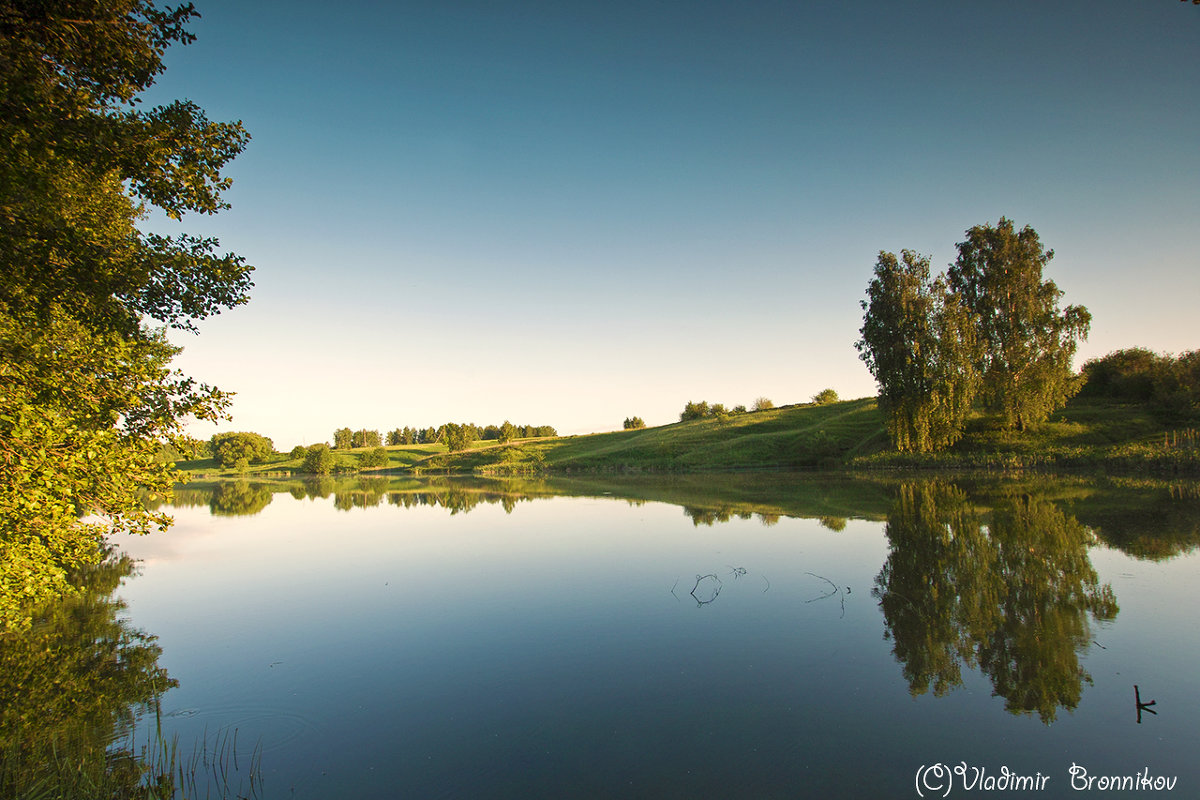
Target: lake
[(769, 635)]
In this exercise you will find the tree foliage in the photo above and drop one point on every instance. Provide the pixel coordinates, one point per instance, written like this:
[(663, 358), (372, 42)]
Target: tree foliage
[(458, 437), (1028, 342), (824, 397), (1168, 384), (375, 457), (919, 343), (990, 328), (634, 423), (86, 392), (230, 448), (318, 460)]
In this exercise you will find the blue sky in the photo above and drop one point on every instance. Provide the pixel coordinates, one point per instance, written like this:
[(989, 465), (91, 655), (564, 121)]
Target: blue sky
[(569, 213)]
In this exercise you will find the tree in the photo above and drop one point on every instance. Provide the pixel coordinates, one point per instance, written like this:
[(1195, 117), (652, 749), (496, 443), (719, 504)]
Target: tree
[(343, 439), (1127, 374), (824, 397), (230, 448), (299, 451), (919, 343), (319, 460), (1027, 341), (508, 432), (458, 437), (634, 423), (763, 404), (693, 410), (87, 394)]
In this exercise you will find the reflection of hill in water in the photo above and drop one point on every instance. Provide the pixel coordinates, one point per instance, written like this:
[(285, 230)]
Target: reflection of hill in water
[(1146, 519)]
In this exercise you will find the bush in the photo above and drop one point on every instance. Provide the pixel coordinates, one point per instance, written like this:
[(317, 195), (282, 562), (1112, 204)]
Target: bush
[(299, 451), (694, 411), (763, 404), (376, 457), (634, 423)]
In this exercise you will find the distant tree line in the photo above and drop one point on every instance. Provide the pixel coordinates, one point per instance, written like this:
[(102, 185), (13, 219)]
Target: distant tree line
[(452, 434), (346, 439), (703, 410), (988, 331)]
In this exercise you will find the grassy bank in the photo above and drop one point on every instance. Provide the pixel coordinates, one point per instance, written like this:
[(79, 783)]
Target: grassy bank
[(1086, 434), (1093, 435)]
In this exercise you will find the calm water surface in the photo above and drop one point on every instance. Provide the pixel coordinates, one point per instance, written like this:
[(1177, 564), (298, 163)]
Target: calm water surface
[(770, 636)]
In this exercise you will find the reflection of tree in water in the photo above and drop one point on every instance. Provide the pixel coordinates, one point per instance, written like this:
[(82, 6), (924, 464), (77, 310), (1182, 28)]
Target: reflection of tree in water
[(1153, 522), (318, 487), (1012, 599), (365, 493), (455, 500), (709, 517), (70, 691), (239, 499)]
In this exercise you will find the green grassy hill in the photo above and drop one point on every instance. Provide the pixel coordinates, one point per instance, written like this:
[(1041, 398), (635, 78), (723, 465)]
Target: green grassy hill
[(1087, 434), (790, 437)]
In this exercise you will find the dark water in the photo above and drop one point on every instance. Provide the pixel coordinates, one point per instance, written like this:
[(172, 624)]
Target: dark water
[(739, 636)]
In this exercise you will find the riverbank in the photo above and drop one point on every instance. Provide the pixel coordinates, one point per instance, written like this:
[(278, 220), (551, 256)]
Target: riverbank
[(1090, 435)]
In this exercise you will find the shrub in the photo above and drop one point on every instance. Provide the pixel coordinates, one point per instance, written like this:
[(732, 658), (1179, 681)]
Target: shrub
[(763, 404), (634, 423), (376, 457), (299, 451), (694, 411)]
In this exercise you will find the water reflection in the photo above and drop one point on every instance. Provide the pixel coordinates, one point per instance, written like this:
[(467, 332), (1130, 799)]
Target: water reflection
[(981, 575), (1009, 591), (1146, 519), (72, 692)]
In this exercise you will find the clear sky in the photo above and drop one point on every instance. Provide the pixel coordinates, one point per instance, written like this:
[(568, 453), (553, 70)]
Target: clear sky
[(568, 213)]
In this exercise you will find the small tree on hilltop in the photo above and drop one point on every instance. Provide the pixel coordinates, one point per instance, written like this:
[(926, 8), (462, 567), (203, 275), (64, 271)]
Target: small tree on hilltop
[(694, 411), (634, 423), (763, 404), (824, 397)]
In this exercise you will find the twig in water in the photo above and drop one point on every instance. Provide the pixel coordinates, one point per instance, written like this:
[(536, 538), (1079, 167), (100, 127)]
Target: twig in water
[(716, 591), (831, 583)]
